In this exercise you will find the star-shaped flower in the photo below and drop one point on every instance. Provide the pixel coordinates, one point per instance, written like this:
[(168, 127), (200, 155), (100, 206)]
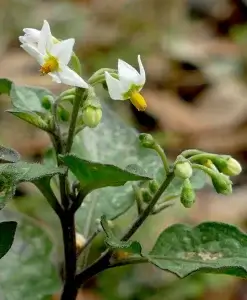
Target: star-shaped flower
[(128, 85), (52, 56)]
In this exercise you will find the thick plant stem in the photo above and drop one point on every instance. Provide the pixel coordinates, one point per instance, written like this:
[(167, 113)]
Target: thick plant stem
[(68, 227), (67, 217), (142, 217)]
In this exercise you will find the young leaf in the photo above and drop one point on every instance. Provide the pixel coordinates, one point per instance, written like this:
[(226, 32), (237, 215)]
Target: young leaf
[(113, 242), (30, 117), (27, 270), (93, 175), (8, 155), (209, 247), (7, 233)]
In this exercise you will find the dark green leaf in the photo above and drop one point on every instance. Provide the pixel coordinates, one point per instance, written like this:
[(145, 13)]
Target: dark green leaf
[(209, 247), (8, 155), (27, 270), (30, 117), (7, 233), (93, 175), (113, 242)]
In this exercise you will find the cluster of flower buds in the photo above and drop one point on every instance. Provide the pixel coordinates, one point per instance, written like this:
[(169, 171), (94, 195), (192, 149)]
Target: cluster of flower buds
[(218, 167)]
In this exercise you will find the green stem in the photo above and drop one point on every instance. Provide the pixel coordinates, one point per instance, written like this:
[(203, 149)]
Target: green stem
[(86, 231), (99, 76), (76, 65), (103, 262), (163, 157), (190, 152), (210, 172), (148, 210), (128, 261), (201, 156), (76, 107), (138, 198), (157, 209)]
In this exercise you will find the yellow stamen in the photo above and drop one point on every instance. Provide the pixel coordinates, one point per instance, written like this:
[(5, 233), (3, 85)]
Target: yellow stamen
[(138, 101), (51, 64)]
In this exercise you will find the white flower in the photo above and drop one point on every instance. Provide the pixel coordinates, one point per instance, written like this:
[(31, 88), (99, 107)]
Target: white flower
[(53, 57), (128, 85)]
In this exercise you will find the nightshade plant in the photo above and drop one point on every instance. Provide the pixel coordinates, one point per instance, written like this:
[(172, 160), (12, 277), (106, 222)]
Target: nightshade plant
[(98, 169)]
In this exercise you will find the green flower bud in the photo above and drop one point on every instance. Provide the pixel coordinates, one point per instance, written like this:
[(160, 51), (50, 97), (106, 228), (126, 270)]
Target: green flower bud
[(47, 102), (91, 116), (188, 195), (232, 168), (146, 195), (153, 186), (221, 183), (183, 169), (63, 114), (147, 140)]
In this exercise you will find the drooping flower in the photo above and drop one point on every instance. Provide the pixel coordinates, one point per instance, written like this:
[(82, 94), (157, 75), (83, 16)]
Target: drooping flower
[(129, 84), (52, 57)]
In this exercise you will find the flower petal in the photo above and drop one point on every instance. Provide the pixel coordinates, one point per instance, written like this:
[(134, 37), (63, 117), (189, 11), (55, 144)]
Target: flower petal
[(45, 39), (69, 77), (63, 50), (33, 51), (55, 77), (32, 35), (127, 74), (142, 78), (114, 87)]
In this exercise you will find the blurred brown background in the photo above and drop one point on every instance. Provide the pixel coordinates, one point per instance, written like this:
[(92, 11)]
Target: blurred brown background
[(195, 56)]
